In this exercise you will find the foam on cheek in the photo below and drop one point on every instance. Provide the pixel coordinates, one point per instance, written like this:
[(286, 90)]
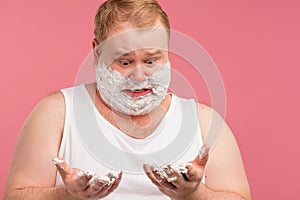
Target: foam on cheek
[(161, 78)]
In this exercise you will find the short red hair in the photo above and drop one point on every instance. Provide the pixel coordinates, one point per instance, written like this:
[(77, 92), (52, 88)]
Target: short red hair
[(140, 13)]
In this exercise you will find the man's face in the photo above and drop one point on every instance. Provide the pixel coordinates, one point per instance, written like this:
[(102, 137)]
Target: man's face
[(138, 70)]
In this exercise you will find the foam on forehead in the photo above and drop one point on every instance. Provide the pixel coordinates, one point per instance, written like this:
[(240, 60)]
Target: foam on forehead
[(131, 40)]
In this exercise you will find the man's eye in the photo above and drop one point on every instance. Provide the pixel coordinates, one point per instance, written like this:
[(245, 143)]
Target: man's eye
[(150, 62), (125, 62)]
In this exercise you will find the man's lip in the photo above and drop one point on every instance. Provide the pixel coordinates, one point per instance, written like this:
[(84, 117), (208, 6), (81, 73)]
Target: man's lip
[(137, 93)]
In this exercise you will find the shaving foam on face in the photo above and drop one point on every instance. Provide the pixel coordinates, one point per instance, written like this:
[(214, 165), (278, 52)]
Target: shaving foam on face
[(111, 83)]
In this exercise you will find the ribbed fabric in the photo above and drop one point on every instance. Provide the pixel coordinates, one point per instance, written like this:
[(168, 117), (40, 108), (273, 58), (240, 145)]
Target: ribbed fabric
[(132, 186)]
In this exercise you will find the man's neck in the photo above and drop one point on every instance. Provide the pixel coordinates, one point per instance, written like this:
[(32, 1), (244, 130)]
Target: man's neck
[(139, 126)]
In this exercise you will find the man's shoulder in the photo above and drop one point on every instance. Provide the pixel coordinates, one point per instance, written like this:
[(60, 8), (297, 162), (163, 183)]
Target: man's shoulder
[(53, 105), (50, 106), (53, 99), (208, 116)]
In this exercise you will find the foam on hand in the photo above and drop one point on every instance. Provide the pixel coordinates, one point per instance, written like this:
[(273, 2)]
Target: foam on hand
[(108, 179), (56, 161)]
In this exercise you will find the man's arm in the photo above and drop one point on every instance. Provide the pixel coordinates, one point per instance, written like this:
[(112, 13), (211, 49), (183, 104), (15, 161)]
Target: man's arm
[(225, 176), (205, 193), (29, 193), (32, 175), (222, 167)]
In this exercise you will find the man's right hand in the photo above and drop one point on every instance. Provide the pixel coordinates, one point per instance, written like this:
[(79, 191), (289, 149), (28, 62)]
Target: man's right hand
[(84, 185)]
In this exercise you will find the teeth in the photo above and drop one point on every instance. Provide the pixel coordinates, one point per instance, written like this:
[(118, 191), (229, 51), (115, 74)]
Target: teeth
[(138, 90)]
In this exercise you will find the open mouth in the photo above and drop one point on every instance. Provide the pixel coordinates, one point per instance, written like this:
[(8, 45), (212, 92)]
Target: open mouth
[(138, 92)]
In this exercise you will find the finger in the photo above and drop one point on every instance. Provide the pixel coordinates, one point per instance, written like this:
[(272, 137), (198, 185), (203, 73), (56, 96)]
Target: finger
[(176, 178), (84, 178), (104, 190), (95, 185), (116, 183), (163, 179), (152, 178), (111, 182), (150, 175), (202, 157), (195, 173), (62, 167)]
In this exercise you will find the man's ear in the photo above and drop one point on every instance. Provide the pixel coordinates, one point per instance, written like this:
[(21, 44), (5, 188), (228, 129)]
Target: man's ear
[(96, 51)]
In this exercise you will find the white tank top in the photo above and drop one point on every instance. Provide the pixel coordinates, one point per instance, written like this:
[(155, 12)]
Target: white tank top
[(179, 126)]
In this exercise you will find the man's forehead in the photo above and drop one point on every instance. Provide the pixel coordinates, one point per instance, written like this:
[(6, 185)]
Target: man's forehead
[(151, 39)]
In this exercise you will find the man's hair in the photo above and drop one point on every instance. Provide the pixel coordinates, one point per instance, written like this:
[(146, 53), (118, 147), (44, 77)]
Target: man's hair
[(140, 13)]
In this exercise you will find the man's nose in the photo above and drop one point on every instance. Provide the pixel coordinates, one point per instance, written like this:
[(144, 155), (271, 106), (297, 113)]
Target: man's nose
[(138, 74)]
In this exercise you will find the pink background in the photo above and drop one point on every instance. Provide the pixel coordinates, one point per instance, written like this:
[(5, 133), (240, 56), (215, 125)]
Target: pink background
[(255, 44)]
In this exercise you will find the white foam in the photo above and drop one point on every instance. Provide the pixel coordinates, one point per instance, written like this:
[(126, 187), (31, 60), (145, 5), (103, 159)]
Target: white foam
[(111, 83), (57, 161)]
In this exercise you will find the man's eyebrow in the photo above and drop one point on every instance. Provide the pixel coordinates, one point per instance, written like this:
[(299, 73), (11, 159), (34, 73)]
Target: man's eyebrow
[(125, 54), (121, 53), (153, 52)]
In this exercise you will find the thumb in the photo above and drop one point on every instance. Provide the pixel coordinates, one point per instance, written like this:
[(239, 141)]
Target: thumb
[(61, 166), (202, 156)]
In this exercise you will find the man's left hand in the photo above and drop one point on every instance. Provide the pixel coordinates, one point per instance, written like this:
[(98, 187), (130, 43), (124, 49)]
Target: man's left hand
[(180, 185)]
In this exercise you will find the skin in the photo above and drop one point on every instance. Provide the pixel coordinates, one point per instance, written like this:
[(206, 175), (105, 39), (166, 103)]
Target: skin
[(32, 176)]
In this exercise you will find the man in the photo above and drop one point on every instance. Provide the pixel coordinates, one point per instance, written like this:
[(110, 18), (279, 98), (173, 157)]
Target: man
[(136, 115)]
